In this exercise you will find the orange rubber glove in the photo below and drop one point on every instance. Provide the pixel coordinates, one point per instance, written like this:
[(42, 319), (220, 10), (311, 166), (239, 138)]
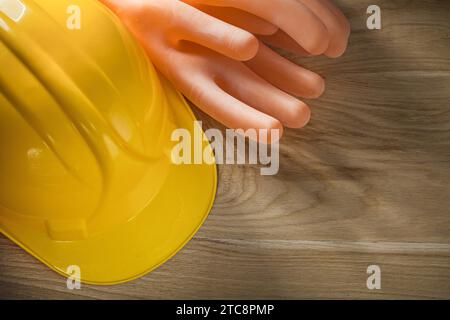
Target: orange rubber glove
[(202, 55), (310, 27)]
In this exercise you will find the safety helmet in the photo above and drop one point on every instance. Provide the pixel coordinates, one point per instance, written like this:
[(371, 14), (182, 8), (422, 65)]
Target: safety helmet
[(86, 176)]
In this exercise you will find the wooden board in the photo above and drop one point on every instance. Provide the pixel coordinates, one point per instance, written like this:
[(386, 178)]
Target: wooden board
[(367, 182)]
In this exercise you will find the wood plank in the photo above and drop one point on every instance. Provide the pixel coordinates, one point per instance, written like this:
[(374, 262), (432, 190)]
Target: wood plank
[(236, 269)]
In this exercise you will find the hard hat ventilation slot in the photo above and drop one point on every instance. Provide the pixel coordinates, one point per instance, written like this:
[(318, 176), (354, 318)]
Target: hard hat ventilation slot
[(67, 230)]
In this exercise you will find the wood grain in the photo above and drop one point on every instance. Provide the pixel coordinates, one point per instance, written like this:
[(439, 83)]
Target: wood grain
[(367, 182)]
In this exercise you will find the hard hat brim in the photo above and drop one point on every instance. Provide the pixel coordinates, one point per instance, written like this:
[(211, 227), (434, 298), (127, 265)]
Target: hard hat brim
[(143, 243)]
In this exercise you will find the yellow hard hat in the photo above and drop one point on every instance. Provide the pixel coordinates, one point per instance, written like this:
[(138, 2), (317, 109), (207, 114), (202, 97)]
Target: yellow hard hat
[(86, 176)]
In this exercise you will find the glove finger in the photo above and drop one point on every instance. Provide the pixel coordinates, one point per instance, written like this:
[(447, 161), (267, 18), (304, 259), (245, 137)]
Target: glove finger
[(337, 28), (339, 14), (230, 110), (194, 25), (238, 18), (311, 34), (198, 82), (248, 87), (286, 75)]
